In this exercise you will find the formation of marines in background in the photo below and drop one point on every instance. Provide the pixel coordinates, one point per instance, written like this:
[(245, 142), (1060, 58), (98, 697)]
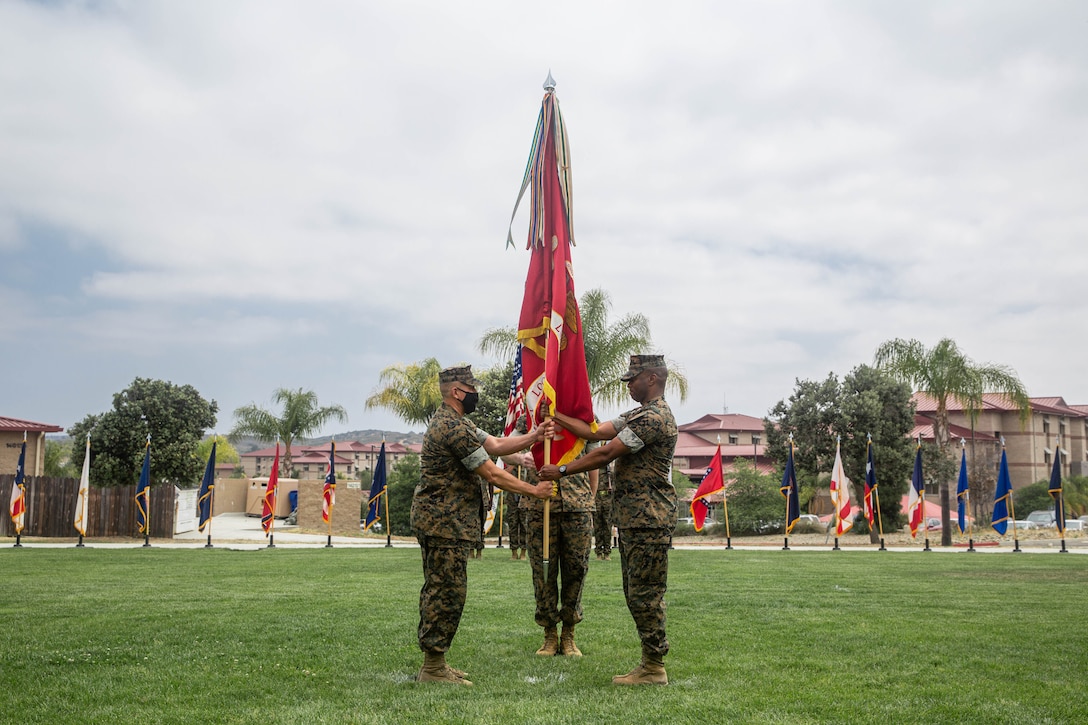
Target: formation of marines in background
[(632, 454)]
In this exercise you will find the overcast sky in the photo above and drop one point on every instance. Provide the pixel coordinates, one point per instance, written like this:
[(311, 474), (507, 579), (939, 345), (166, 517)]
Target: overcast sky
[(242, 196)]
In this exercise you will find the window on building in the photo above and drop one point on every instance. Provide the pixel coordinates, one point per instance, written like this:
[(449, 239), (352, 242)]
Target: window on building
[(733, 440), (1046, 427), (756, 440)]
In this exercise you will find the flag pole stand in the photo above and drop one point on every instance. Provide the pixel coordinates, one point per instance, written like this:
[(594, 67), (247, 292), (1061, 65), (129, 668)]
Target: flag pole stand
[(927, 545), (17, 544), (79, 544), (502, 501), (836, 546), (786, 544), (389, 528), (1015, 542), (328, 542), (271, 541), (209, 544), (147, 539), (725, 513), (1063, 549), (970, 545), (879, 519)]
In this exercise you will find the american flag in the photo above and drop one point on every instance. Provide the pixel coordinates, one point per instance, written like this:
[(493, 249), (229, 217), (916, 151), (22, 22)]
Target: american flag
[(515, 407)]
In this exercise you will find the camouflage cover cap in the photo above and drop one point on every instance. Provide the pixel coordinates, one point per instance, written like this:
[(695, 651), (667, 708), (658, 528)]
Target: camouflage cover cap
[(462, 374), (642, 362)]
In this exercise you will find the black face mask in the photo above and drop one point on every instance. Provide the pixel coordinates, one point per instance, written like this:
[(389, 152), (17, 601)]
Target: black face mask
[(469, 403)]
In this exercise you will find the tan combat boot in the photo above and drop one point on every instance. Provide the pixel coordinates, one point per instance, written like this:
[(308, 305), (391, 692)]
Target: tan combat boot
[(513, 553), (651, 671), (566, 642), (551, 644), (435, 669)]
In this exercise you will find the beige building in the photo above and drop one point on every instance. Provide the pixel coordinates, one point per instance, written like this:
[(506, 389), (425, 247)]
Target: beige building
[(312, 462), (11, 444), (1030, 446)]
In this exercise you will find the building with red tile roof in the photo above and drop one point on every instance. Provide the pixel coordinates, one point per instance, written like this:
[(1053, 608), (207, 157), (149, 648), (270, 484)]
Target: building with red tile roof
[(11, 443)]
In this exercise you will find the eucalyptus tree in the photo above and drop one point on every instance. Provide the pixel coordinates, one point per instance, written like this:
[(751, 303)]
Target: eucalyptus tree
[(945, 373), (608, 345), (300, 417)]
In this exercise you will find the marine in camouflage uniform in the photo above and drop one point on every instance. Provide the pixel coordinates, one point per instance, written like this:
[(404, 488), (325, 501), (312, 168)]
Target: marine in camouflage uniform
[(642, 443), (559, 595), (448, 513), (515, 523), (602, 516)]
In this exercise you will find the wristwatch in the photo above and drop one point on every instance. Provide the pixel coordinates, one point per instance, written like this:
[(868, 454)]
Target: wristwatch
[(563, 470)]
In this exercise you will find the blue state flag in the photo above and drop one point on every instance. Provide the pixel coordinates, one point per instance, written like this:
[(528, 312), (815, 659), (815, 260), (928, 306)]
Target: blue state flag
[(962, 492), (1055, 490), (143, 495), (377, 490), (207, 486), (1002, 497)]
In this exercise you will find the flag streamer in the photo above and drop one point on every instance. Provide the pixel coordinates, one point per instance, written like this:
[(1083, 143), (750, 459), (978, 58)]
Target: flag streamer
[(712, 483)]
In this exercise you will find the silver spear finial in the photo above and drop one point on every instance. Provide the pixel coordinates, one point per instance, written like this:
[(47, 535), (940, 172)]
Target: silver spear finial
[(549, 82)]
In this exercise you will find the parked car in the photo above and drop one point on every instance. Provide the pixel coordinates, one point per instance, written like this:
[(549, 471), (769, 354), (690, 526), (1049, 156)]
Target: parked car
[(1025, 525), (1043, 519), (809, 524), (933, 524), (1074, 525)]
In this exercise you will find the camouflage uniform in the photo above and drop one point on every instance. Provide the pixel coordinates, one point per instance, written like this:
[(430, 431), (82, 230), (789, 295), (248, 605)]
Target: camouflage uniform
[(570, 529), (447, 517), (515, 520), (644, 511), (602, 515)]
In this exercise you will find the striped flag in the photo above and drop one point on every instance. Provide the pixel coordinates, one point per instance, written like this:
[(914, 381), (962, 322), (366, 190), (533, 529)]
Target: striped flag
[(207, 491), (712, 483), (268, 509), (515, 406), (788, 489), (1055, 488), (18, 491), (328, 493), (840, 496), (1002, 496), (963, 493), (915, 512), (143, 493), (80, 520), (377, 490), (870, 487)]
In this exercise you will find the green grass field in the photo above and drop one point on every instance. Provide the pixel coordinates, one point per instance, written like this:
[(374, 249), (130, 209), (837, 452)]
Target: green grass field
[(161, 635)]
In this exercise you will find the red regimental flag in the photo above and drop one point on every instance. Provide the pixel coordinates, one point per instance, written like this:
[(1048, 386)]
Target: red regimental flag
[(268, 510), (711, 484), (550, 326)]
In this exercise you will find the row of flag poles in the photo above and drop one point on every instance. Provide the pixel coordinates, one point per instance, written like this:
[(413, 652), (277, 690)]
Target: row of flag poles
[(205, 495), (713, 482)]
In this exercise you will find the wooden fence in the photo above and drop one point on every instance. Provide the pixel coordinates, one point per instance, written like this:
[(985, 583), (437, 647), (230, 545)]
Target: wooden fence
[(51, 508)]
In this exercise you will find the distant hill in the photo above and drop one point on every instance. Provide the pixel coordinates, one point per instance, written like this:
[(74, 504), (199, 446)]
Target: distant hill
[(245, 445)]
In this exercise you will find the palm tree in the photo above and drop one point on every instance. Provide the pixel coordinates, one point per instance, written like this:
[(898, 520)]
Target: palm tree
[(944, 373), (608, 348), (301, 418), (411, 391)]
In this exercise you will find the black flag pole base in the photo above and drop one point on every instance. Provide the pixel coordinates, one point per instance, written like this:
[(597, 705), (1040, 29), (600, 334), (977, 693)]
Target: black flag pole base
[(389, 541), (970, 546), (786, 544), (728, 544), (17, 539), (328, 542), (836, 546), (882, 547), (147, 539), (1064, 550), (1016, 545), (927, 545), (209, 544), (79, 544), (271, 542)]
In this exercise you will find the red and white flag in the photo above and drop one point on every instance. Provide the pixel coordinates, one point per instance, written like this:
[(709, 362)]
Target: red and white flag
[(840, 496)]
